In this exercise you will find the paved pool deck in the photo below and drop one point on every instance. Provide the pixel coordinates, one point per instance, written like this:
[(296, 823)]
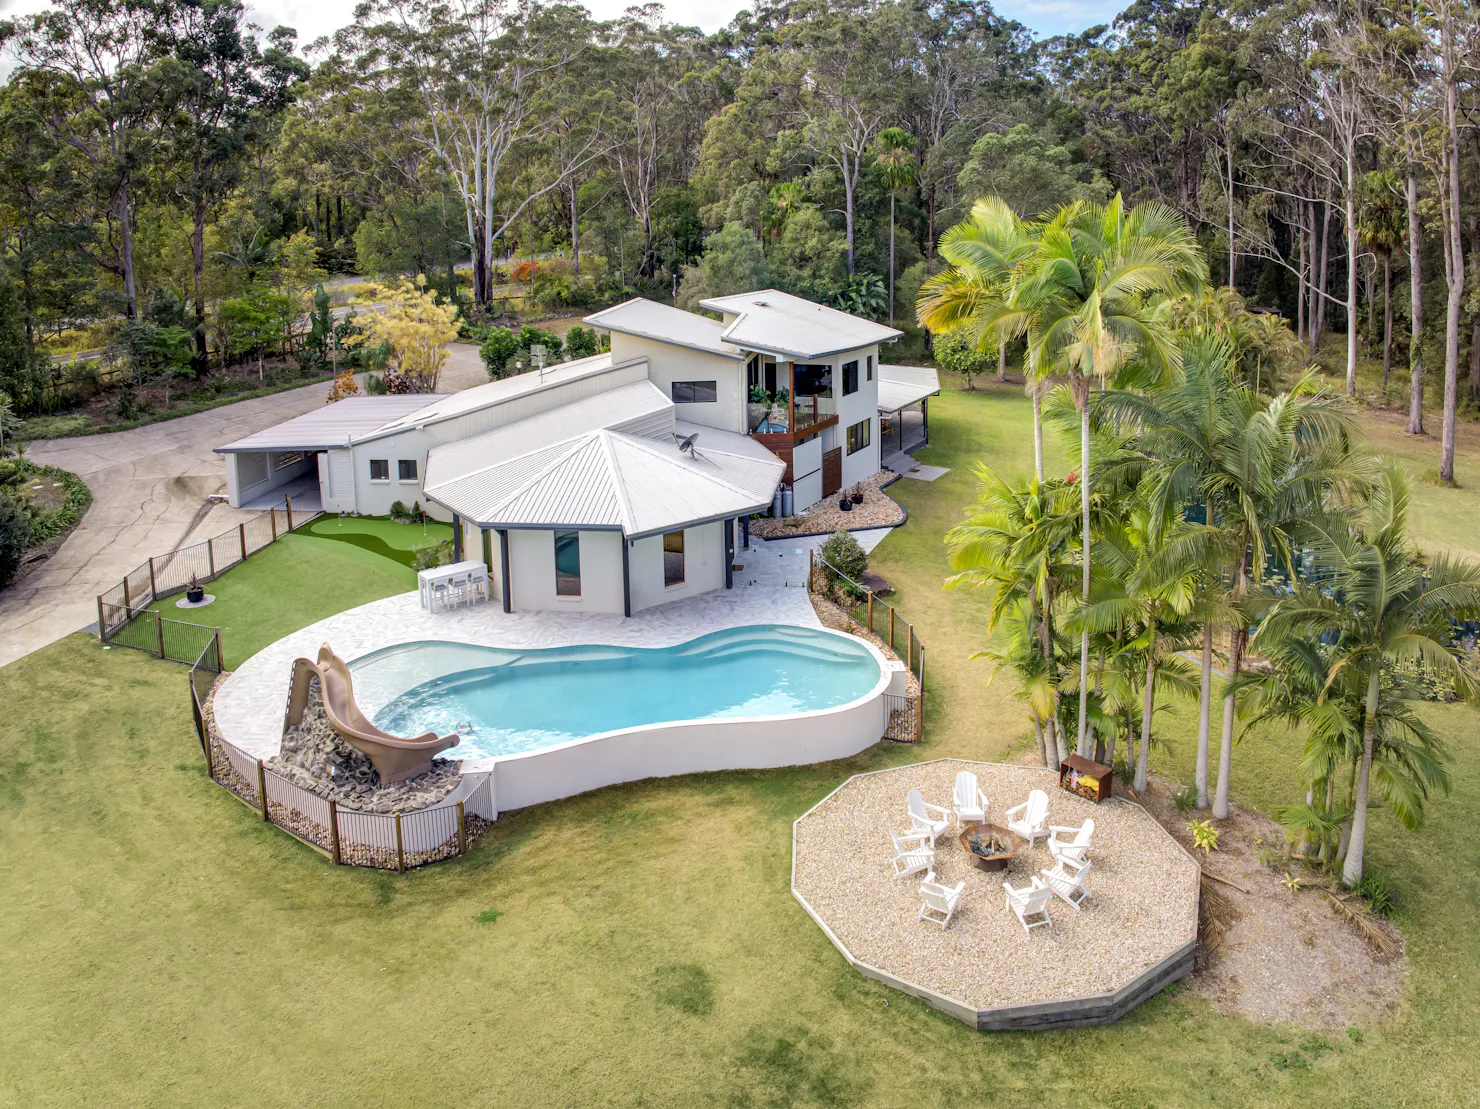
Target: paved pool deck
[(770, 588)]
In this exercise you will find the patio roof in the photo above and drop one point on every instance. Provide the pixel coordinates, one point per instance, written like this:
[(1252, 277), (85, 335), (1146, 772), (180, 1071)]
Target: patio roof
[(611, 480), (334, 425), (779, 323), (902, 386)]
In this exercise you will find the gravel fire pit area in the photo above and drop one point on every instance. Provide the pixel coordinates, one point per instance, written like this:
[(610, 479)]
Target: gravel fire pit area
[(1135, 934)]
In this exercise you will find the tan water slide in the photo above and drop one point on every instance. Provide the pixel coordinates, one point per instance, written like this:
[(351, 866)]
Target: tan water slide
[(393, 757)]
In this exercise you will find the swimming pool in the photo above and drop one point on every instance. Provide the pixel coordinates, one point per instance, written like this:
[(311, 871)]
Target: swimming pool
[(513, 702)]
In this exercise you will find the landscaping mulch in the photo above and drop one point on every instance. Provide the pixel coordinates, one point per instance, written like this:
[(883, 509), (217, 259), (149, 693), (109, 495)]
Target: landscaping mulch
[(878, 510)]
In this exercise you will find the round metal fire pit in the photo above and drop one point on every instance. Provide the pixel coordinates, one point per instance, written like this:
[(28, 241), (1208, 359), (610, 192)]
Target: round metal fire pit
[(990, 847)]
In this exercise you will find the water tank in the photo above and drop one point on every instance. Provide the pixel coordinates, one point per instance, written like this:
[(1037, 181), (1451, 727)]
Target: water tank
[(786, 501)]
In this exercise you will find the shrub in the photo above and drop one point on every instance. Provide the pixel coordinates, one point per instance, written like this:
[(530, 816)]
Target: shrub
[(498, 350), (1184, 797), (1378, 892), (15, 535), (580, 342), (843, 556), (529, 336), (432, 554), (399, 511), (1204, 835), (954, 353)]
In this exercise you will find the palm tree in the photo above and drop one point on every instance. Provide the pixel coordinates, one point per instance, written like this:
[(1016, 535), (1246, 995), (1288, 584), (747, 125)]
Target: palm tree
[(1086, 302), (895, 165), (1382, 224), (1381, 607), (984, 252), (1017, 543)]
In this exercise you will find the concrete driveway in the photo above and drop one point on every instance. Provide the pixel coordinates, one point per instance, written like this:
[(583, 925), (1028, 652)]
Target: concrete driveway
[(149, 489)]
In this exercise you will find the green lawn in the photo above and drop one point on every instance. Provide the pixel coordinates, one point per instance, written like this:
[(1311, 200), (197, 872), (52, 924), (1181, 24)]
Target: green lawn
[(637, 946)]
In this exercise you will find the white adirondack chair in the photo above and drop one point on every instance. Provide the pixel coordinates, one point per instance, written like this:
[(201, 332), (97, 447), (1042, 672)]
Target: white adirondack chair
[(969, 801), (1030, 901), (912, 853), (938, 902), (1066, 880), (921, 819), (1029, 818), (1076, 849)]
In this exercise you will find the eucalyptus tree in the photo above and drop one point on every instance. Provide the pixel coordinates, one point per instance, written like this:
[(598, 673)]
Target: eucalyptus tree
[(1380, 606), (1086, 302)]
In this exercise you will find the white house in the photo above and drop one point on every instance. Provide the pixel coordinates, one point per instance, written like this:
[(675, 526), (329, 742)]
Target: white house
[(612, 483)]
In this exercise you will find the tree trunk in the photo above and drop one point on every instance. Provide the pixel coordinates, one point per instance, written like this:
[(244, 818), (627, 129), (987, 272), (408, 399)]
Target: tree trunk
[(929, 229), (891, 257), (1225, 747), (126, 236), (575, 232), (1045, 645), (1475, 324), (1318, 331), (1415, 285), (1351, 274), (1300, 291), (848, 207), (198, 270), (1454, 272), (1038, 732), (1356, 845), (1228, 144), (1369, 295), (1204, 708), (1037, 430), (1387, 318), (1001, 360), (1084, 747), (1147, 707)]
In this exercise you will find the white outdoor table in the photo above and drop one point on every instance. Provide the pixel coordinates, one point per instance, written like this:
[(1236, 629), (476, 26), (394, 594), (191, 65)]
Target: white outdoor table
[(425, 579)]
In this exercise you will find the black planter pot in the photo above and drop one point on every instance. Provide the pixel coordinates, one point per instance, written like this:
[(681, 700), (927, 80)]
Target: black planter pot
[(846, 505), (857, 498), (195, 596)]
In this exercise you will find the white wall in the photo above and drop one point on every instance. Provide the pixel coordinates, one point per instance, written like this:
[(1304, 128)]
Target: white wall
[(806, 474), (668, 362), (687, 748), (238, 494), (862, 405), (704, 567), (532, 572)]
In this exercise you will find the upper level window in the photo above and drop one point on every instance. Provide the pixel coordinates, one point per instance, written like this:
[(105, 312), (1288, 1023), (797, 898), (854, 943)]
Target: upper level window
[(860, 435), (567, 564), (870, 367), (673, 572), (850, 378), (406, 469), (380, 469), (695, 392), (812, 401)]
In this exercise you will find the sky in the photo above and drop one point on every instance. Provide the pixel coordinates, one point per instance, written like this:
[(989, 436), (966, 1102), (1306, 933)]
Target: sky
[(313, 18)]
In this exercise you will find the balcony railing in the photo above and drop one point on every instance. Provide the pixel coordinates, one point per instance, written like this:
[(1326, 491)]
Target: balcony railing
[(810, 411)]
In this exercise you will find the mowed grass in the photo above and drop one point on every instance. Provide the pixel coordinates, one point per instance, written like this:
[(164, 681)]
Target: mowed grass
[(303, 577), (636, 946)]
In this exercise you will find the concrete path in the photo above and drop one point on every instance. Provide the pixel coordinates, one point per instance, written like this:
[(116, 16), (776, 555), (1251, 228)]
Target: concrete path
[(149, 489)]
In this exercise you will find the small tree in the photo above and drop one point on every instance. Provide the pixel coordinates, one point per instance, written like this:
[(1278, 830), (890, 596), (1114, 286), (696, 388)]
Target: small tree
[(252, 322), (953, 352), (418, 330), (842, 558), (498, 350), (580, 342)]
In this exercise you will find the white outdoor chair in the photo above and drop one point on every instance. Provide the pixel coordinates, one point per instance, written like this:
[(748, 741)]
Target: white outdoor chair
[(1077, 849), (462, 588), (1066, 880), (440, 590), (938, 903), (969, 801), (1028, 819), (911, 853), (1030, 901), (922, 821)]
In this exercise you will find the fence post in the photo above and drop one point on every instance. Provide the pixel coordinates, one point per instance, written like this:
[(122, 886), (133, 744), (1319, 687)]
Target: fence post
[(334, 830), (128, 606), (811, 566), (400, 848), (262, 789), (288, 503), (909, 646), (891, 628), (220, 665), (272, 516), (159, 632), (871, 612), (241, 534), (920, 701), (153, 589), (211, 555), (102, 627), (462, 830)]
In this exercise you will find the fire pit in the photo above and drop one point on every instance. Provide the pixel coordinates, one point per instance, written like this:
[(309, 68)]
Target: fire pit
[(990, 847)]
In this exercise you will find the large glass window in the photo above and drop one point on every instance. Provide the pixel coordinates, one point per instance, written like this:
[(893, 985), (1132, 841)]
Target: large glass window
[(812, 402), (860, 435), (673, 558), (567, 564), (850, 378), (380, 469), (406, 469), (695, 392)]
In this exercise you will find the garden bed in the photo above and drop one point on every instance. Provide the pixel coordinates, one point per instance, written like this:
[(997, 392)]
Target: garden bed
[(878, 510), (58, 500)]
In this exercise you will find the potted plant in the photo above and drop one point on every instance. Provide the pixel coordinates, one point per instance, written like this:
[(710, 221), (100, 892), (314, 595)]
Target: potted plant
[(194, 591), (845, 503), (858, 494)]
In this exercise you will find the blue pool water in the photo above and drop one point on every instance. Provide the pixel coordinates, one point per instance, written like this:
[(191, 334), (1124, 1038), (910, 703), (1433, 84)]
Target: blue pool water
[(504, 702)]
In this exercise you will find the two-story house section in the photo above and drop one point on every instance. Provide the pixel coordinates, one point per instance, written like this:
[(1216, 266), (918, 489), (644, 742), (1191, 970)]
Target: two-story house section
[(799, 378)]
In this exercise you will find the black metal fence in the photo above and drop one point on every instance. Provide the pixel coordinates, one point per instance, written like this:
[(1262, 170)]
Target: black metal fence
[(124, 616)]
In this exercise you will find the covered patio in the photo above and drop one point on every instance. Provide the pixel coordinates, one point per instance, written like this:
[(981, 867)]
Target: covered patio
[(904, 415)]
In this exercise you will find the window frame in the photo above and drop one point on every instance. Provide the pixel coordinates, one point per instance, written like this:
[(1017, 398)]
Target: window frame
[(683, 572), (562, 579), (385, 464), (692, 388), (870, 368), (401, 464), (850, 378), (866, 436)]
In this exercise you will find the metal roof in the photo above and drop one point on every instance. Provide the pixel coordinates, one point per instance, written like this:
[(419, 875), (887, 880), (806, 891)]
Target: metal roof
[(779, 323), (334, 425), (606, 479), (639, 409), (500, 392), (648, 319), (902, 386)]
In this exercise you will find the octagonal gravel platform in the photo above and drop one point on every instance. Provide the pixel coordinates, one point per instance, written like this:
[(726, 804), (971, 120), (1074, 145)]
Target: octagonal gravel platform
[(1135, 935)]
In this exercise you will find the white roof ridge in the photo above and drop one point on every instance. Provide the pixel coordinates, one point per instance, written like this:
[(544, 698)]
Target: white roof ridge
[(650, 446), (614, 473)]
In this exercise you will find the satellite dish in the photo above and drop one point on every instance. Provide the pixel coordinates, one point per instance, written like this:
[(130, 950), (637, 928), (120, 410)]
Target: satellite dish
[(687, 442)]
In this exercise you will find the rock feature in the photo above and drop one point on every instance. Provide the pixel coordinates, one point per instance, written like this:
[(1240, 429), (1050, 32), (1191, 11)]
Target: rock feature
[(314, 757)]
